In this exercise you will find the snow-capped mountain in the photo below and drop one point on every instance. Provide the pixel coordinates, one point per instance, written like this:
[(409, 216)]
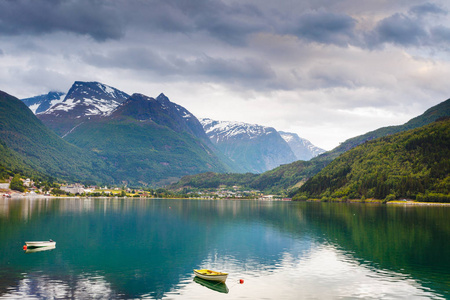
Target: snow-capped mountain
[(88, 99), (221, 131), (149, 141), (41, 103), (254, 147), (83, 101), (302, 148)]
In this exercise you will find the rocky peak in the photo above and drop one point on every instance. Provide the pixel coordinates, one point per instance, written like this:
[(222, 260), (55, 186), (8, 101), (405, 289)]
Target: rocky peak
[(302, 148), (41, 103), (88, 99)]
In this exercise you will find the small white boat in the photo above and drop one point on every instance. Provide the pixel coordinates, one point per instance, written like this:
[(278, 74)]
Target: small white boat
[(38, 244), (211, 275)]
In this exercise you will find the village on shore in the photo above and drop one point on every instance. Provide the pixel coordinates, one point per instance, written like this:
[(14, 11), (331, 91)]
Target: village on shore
[(29, 188)]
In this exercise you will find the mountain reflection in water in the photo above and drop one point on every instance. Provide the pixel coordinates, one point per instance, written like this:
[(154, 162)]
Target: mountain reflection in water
[(147, 248)]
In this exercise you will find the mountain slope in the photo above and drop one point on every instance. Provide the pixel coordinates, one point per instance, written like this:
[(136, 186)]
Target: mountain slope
[(254, 147), (84, 100), (291, 176), (317, 163), (302, 148), (41, 103), (406, 164), (30, 146), (147, 142)]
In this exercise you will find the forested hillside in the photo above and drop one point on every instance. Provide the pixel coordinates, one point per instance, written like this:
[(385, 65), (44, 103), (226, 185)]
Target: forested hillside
[(414, 164), (30, 148)]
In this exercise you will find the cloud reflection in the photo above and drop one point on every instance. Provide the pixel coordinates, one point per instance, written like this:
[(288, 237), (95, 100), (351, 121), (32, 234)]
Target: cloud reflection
[(41, 286), (319, 274)]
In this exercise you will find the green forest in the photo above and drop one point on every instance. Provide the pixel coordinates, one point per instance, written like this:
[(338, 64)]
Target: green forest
[(414, 164)]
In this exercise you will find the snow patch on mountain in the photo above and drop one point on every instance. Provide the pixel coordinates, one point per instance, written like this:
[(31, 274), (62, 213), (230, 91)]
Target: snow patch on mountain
[(226, 130), (58, 100), (302, 148), (67, 105), (107, 89), (34, 107), (88, 99), (41, 103)]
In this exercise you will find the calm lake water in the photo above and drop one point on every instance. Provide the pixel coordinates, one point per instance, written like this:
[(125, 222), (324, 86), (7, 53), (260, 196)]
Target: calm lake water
[(147, 248)]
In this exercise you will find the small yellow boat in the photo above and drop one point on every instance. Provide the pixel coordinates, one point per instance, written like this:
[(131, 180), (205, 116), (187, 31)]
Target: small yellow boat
[(211, 275)]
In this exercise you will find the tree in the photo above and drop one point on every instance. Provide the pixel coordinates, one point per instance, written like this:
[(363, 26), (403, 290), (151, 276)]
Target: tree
[(17, 184)]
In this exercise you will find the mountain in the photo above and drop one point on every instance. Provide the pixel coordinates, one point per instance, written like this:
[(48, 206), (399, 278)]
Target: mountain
[(41, 103), (84, 100), (290, 177), (410, 164), (302, 148), (28, 147), (163, 112), (254, 147), (148, 141)]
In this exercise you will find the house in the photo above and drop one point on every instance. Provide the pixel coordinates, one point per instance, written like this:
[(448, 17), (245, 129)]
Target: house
[(27, 182), (74, 188)]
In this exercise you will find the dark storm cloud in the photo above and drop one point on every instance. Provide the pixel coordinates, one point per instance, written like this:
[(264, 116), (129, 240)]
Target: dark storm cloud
[(111, 19), (231, 23), (325, 27), (399, 29), (94, 18), (427, 8), (411, 28)]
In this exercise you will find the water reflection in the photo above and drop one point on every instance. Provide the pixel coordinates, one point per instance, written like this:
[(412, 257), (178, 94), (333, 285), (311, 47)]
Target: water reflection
[(147, 248), (220, 287), (326, 273), (39, 249), (41, 286)]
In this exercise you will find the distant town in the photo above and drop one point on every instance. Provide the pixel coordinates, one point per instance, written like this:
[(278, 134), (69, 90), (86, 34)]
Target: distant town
[(26, 187)]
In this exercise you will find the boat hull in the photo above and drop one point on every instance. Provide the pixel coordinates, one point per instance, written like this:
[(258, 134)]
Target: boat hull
[(211, 275)]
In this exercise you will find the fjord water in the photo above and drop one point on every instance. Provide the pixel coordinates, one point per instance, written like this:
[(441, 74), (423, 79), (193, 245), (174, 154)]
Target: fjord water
[(147, 248)]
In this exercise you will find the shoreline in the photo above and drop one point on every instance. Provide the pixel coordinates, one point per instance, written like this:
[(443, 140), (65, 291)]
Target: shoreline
[(375, 201), (370, 201)]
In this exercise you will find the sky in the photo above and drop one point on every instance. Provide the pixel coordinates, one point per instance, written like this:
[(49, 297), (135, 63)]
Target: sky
[(327, 70)]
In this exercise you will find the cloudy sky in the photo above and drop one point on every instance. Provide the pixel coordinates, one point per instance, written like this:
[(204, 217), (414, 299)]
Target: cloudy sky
[(325, 69)]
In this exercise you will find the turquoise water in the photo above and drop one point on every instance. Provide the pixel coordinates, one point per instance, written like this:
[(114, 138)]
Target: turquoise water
[(147, 248)]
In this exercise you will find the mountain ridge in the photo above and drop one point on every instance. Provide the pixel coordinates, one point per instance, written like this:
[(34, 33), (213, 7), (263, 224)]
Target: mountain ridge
[(41, 103), (255, 147), (83, 101), (302, 148)]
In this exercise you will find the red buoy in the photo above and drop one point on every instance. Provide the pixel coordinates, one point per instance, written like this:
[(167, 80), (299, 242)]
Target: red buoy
[(241, 281), (24, 247)]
